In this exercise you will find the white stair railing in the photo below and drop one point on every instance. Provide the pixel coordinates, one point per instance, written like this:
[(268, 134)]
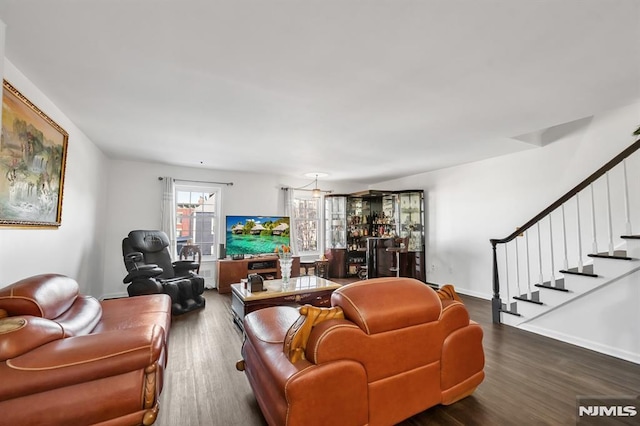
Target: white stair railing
[(519, 265)]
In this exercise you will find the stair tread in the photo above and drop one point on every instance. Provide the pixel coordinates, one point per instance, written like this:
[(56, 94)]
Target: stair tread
[(524, 299), (587, 271), (510, 312), (617, 254), (550, 287)]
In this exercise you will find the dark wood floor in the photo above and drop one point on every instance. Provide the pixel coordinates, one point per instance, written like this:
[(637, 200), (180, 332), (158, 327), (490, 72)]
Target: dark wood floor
[(530, 379)]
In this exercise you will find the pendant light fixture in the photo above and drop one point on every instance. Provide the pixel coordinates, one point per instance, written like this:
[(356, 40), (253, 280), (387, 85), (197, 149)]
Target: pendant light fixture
[(316, 192)]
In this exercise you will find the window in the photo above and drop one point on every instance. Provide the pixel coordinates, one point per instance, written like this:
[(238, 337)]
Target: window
[(197, 218), (306, 220)]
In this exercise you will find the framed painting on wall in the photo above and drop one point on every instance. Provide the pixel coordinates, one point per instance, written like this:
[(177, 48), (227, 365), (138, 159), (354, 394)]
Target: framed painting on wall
[(33, 151)]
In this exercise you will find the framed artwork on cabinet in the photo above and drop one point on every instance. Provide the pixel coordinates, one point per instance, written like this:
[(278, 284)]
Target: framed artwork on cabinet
[(33, 152)]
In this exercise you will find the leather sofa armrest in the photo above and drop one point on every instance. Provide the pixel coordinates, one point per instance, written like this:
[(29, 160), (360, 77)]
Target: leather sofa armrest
[(295, 341), (82, 359), (341, 385), (454, 316), (21, 334)]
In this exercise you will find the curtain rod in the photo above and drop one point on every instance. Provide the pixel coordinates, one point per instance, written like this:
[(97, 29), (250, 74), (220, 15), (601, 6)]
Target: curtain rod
[(199, 181)]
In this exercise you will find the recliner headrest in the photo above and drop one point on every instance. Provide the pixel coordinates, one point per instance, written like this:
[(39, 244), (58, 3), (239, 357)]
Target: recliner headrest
[(46, 296), (148, 241), (383, 304)]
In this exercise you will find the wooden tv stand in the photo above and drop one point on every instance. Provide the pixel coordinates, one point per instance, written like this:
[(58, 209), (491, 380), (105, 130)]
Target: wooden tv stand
[(232, 271)]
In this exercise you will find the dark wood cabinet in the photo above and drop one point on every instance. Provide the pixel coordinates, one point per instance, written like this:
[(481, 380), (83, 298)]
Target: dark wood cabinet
[(232, 271)]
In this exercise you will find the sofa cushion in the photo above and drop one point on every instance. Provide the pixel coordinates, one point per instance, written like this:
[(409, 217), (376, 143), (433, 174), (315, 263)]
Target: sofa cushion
[(128, 312), (81, 317), (46, 296)]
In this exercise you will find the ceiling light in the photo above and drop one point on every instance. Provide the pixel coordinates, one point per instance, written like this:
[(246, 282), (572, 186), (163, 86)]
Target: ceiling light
[(315, 192), (316, 174)]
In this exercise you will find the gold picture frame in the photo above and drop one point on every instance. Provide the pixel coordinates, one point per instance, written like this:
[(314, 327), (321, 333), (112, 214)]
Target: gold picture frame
[(33, 156)]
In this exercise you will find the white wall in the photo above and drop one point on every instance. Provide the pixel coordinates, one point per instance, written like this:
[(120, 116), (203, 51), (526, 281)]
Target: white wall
[(76, 247), (135, 194), (469, 204)]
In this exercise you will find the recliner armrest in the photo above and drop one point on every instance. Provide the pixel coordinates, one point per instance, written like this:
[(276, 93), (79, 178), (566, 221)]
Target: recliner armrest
[(144, 271), (182, 266)]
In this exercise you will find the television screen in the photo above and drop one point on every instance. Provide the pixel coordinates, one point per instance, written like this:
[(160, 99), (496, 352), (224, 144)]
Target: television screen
[(256, 234)]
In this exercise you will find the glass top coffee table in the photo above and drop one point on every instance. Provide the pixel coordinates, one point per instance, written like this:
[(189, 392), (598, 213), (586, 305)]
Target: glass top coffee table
[(301, 290)]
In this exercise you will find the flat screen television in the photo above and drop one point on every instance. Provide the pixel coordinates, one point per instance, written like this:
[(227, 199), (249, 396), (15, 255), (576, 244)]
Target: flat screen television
[(253, 235)]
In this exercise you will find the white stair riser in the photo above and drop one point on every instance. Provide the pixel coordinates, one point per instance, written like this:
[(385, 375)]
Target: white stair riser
[(511, 320), (554, 297), (579, 284), (531, 310), (633, 248), (613, 267)]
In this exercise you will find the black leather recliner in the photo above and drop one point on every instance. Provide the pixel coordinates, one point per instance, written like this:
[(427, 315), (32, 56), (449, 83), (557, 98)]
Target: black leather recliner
[(147, 259)]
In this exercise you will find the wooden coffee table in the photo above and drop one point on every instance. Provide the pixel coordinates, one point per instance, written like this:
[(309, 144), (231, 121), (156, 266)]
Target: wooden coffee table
[(302, 290)]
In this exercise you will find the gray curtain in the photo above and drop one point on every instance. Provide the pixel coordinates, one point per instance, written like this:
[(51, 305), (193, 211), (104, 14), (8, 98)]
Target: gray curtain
[(168, 213), (290, 211)]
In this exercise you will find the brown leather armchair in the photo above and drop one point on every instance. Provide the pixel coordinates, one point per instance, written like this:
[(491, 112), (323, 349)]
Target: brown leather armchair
[(69, 359), (399, 350)]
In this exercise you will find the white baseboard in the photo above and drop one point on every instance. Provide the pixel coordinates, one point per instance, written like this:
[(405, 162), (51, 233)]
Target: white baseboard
[(583, 343)]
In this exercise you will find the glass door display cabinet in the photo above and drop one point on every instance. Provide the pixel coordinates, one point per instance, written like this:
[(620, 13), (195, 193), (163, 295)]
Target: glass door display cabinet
[(335, 217), (359, 229), (336, 221), (411, 214), (411, 226), (351, 220)]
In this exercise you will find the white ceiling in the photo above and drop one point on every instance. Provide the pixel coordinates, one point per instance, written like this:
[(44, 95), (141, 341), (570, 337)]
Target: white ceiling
[(362, 90)]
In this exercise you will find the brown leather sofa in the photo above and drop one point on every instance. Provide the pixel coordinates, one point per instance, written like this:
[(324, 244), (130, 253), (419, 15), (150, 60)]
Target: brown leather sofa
[(399, 350), (68, 359)]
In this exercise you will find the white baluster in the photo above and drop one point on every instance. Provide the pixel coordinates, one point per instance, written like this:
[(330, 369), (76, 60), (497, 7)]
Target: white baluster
[(626, 199), (594, 244), (526, 241), (553, 269), (506, 274), (540, 276), (580, 265), (518, 268), (564, 239), (609, 219)]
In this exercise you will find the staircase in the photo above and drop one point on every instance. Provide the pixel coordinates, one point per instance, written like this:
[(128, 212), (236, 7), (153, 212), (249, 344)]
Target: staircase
[(576, 265)]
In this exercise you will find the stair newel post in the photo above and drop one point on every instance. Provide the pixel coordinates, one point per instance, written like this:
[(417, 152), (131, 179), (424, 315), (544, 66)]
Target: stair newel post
[(594, 245), (564, 238), (579, 232), (553, 269), (540, 276), (609, 219), (496, 303), (627, 212)]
